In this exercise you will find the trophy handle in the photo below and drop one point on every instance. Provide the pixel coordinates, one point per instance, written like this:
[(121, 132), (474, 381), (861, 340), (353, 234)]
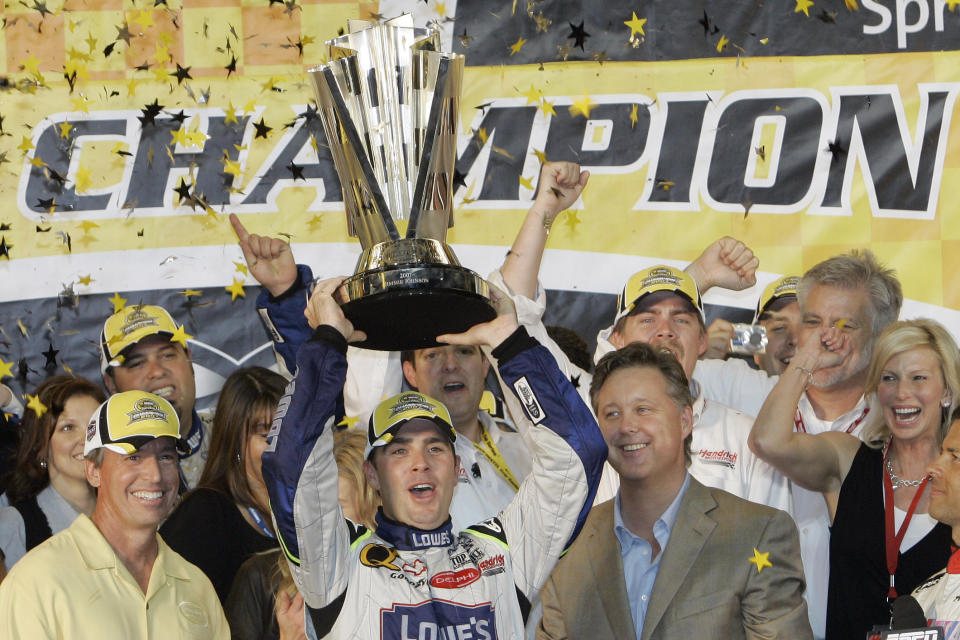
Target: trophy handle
[(368, 216), (431, 213)]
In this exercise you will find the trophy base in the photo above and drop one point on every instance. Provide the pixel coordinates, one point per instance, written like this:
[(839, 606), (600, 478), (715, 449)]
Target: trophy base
[(407, 307)]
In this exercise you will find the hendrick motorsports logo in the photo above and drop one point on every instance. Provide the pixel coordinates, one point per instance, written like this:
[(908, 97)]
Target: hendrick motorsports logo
[(439, 620)]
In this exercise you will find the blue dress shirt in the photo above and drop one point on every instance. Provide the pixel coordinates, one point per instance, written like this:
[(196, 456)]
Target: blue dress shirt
[(639, 571)]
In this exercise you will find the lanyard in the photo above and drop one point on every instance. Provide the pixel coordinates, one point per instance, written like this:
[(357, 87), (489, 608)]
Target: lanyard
[(802, 428), (258, 519), (493, 456), (893, 540)]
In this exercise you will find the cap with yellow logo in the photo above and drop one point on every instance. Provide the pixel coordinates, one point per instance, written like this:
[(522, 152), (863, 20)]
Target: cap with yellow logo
[(129, 420), (393, 413), (657, 278), (781, 288), (129, 326)]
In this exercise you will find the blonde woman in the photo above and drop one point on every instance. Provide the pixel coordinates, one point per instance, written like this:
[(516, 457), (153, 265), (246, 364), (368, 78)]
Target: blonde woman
[(883, 542)]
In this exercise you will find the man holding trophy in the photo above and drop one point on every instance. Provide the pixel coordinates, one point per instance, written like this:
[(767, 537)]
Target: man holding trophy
[(388, 102)]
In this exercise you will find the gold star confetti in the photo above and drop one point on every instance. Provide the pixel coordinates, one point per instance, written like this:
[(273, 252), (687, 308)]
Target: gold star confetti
[(118, 302), (82, 179), (31, 64), (26, 144), (144, 18), (804, 6), (33, 402), (547, 107), (236, 289), (181, 336), (636, 25), (516, 46), (853, 6), (722, 44), (526, 183), (6, 369), (634, 115), (582, 107), (533, 95), (191, 292), (85, 280), (87, 225), (241, 267), (760, 559), (348, 421), (541, 156)]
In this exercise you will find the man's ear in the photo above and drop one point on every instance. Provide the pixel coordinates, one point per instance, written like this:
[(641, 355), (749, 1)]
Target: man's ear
[(109, 383), (410, 373), (93, 473), (371, 474), (686, 421), (616, 339)]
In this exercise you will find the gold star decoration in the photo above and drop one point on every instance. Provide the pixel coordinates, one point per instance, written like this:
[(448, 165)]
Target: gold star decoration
[(541, 156), (951, 4), (760, 559), (853, 6), (722, 43), (582, 107), (804, 6), (6, 369), (191, 292), (516, 46), (526, 183), (31, 64), (33, 402), (241, 267), (118, 302), (26, 144), (181, 336), (636, 25), (348, 421), (86, 225), (236, 289), (81, 179), (85, 280), (634, 115), (547, 107), (65, 128), (533, 95)]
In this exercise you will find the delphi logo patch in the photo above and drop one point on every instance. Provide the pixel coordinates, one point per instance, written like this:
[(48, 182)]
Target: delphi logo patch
[(530, 403)]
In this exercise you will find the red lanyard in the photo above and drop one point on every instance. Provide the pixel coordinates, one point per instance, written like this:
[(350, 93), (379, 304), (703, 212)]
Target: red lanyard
[(802, 428), (893, 540)]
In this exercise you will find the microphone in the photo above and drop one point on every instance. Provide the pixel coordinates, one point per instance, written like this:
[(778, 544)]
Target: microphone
[(906, 613), (907, 622)]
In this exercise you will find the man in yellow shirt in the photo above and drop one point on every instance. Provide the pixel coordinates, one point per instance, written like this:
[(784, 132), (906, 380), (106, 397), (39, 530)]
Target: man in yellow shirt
[(111, 575)]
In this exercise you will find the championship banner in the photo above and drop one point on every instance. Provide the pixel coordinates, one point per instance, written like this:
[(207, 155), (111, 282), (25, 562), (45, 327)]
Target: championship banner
[(130, 130)]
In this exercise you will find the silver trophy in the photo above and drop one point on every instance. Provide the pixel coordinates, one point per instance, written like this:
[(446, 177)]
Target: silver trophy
[(389, 103)]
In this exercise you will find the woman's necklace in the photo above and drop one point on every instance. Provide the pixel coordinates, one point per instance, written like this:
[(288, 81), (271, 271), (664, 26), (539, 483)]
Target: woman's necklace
[(897, 481)]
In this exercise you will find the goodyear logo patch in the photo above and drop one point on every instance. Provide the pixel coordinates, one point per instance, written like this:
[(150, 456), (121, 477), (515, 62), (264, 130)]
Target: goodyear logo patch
[(529, 400)]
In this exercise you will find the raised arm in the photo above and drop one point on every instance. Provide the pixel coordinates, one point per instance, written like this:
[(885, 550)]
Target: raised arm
[(560, 185), (816, 462), (298, 464), (727, 263), (552, 504)]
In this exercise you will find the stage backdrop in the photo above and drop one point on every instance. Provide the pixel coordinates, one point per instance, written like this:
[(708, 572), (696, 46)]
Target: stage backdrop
[(129, 130)]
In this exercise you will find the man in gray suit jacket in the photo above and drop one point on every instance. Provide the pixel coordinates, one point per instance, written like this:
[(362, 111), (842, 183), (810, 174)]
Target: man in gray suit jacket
[(669, 558)]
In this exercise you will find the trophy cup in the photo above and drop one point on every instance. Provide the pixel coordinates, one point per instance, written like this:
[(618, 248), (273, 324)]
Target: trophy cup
[(389, 103)]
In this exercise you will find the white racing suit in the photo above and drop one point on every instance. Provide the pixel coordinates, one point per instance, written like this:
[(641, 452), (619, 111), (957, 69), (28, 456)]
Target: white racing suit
[(403, 583)]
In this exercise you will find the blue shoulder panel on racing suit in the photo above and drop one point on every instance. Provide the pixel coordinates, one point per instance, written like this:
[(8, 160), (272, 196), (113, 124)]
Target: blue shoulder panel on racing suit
[(311, 404), (283, 317)]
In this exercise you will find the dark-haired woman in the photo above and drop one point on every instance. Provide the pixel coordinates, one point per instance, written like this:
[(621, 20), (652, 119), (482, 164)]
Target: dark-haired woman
[(226, 519), (48, 488)]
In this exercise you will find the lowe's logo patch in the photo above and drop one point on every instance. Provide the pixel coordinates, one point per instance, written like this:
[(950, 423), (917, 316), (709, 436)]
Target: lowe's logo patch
[(438, 620)]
